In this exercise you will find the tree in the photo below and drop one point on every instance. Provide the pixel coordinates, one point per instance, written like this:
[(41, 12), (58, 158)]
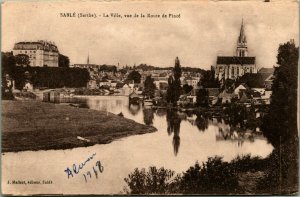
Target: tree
[(281, 120), (280, 123), (63, 61), (135, 76), (208, 79), (8, 63), (149, 87), (22, 60), (202, 98), (187, 88), (174, 89)]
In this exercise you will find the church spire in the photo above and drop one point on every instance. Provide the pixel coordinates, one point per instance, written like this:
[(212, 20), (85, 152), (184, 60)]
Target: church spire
[(242, 37), (88, 59), (241, 49)]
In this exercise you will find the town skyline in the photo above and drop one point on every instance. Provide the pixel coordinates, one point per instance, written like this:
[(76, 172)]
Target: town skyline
[(197, 38)]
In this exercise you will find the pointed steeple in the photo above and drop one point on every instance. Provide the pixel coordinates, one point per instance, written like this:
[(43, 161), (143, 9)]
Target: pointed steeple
[(241, 49), (88, 59), (242, 37)]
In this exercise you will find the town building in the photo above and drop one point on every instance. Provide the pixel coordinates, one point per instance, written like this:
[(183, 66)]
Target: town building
[(232, 67), (41, 53)]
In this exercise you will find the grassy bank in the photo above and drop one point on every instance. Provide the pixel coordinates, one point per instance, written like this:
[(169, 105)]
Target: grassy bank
[(33, 125)]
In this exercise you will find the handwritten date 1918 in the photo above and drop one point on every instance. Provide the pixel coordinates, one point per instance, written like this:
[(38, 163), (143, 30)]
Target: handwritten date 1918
[(98, 168)]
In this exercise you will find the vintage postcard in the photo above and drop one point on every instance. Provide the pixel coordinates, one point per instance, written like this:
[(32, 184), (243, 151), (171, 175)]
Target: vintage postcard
[(149, 97)]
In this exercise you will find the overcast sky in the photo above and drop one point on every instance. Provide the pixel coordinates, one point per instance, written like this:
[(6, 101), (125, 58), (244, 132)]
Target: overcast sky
[(204, 30)]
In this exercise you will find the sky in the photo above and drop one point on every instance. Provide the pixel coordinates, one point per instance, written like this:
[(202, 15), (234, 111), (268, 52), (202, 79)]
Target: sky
[(204, 30)]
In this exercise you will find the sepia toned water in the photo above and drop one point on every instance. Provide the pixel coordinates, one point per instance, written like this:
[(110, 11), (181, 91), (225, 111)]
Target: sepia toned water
[(181, 140)]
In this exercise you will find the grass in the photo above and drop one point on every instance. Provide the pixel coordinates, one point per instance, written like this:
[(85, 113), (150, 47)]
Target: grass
[(34, 125)]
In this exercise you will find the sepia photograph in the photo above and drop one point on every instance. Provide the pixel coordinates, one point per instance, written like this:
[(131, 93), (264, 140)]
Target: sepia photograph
[(149, 97)]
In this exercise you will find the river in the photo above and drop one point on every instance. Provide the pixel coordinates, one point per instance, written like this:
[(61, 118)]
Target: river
[(181, 140)]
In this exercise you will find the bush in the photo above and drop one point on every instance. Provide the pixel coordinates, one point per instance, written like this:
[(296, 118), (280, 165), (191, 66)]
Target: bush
[(155, 181), (213, 177)]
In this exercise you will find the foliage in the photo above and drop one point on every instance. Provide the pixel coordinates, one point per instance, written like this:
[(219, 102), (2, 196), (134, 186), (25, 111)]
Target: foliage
[(149, 87), (187, 88), (280, 123), (213, 177), (8, 63), (63, 61), (108, 68), (135, 76), (202, 98), (22, 60), (281, 120), (174, 89), (155, 181), (51, 77), (208, 79)]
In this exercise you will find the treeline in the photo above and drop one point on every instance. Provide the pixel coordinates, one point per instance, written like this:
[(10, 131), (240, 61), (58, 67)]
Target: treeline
[(50, 77), (214, 176), (146, 67)]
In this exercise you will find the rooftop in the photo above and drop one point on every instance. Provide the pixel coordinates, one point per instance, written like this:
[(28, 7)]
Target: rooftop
[(235, 60)]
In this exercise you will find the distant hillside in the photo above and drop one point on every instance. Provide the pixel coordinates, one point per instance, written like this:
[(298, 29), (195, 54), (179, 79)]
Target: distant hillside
[(146, 67)]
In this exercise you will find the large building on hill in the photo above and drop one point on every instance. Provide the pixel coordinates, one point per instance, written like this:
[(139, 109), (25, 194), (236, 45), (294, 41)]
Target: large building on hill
[(41, 53), (232, 67)]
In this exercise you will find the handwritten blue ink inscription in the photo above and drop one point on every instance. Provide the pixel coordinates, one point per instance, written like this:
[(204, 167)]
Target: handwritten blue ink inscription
[(77, 168)]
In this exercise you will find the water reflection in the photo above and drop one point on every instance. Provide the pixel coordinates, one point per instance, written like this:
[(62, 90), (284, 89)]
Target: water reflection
[(148, 115), (173, 121), (212, 130), (134, 109), (202, 122)]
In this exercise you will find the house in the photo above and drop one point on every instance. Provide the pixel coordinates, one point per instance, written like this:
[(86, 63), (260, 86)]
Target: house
[(192, 96), (245, 97), (226, 96), (266, 97), (239, 88), (192, 81), (92, 84), (104, 82)]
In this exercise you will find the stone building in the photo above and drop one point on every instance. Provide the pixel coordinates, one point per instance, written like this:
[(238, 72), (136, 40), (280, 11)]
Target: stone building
[(232, 67), (41, 53)]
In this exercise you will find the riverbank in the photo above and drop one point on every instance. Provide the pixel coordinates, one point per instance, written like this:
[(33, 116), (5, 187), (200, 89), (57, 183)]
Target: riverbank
[(34, 125)]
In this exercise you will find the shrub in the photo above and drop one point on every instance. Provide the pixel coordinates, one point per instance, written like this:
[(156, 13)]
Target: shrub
[(155, 181)]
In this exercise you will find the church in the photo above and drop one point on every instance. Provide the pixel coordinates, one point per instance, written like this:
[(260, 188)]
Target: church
[(232, 67)]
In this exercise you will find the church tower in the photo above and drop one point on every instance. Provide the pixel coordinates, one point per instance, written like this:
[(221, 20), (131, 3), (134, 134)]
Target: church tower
[(241, 49)]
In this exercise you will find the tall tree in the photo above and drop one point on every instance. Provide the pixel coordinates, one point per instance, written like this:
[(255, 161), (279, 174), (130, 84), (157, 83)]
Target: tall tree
[(280, 124), (8, 63), (63, 61), (135, 76), (202, 98), (174, 89), (149, 87)]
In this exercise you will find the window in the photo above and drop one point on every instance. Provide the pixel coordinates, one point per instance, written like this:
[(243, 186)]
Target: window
[(232, 71), (251, 70), (238, 71), (25, 51)]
